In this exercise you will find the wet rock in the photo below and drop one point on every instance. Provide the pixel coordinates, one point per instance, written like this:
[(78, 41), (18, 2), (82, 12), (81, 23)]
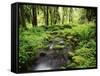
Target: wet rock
[(42, 54)]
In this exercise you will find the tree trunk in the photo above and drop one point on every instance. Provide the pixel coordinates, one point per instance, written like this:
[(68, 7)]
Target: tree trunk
[(34, 15), (55, 15), (22, 18), (46, 15), (51, 16), (70, 15), (63, 16)]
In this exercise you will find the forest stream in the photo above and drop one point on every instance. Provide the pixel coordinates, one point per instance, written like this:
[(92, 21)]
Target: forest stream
[(53, 58)]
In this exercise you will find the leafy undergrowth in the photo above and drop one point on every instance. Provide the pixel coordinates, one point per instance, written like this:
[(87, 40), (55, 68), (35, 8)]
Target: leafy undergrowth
[(30, 41), (81, 37), (84, 55)]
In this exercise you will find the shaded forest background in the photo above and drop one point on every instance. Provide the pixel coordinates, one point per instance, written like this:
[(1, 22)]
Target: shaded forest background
[(53, 15), (42, 26)]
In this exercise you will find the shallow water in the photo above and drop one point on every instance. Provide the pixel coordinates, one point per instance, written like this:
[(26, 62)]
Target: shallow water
[(49, 62), (43, 66), (51, 59)]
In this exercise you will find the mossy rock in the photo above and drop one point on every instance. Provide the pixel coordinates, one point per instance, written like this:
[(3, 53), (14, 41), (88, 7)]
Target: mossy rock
[(57, 39), (59, 46), (54, 32), (69, 37), (62, 67), (75, 39), (49, 36), (71, 54), (78, 59), (72, 65)]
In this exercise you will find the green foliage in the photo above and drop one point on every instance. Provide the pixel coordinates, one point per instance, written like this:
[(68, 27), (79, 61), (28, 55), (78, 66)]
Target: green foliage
[(78, 60), (75, 28), (30, 41), (85, 54), (83, 31), (35, 38)]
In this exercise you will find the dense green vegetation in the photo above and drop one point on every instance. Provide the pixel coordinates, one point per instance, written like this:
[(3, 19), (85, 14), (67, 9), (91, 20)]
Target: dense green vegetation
[(65, 27)]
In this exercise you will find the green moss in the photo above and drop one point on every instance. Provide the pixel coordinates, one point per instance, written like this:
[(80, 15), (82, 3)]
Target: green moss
[(59, 46), (78, 59)]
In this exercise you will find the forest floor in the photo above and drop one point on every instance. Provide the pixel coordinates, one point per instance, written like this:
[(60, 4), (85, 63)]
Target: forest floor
[(59, 47)]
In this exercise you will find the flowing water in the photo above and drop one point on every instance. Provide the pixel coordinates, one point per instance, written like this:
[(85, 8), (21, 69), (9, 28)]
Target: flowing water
[(51, 59), (49, 62)]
